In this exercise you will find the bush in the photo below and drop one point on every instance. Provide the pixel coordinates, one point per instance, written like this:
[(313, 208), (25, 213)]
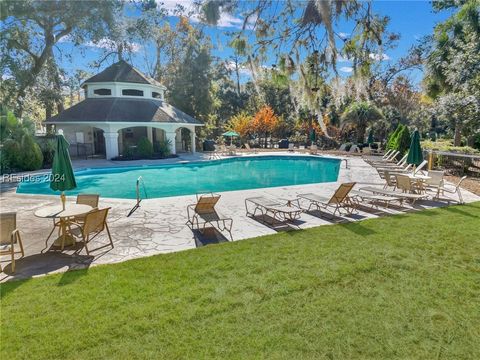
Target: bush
[(48, 151), (162, 147), (22, 156), (145, 148), (447, 145), (31, 158), (403, 141)]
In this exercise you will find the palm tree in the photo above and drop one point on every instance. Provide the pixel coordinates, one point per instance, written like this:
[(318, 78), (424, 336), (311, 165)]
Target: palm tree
[(360, 114)]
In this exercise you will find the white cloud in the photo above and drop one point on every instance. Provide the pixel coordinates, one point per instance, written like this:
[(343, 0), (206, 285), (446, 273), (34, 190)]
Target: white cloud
[(346, 69), (108, 44), (244, 70), (343, 35), (379, 57)]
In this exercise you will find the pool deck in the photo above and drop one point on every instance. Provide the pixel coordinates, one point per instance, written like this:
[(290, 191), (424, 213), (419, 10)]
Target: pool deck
[(158, 226)]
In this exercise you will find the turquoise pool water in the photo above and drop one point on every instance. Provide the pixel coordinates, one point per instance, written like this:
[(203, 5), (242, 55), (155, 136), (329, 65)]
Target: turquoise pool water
[(197, 177)]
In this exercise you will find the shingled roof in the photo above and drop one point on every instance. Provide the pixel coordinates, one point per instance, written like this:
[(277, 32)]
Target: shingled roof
[(122, 72), (122, 110)]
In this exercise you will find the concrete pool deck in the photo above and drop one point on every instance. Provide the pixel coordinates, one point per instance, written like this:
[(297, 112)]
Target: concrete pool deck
[(158, 226)]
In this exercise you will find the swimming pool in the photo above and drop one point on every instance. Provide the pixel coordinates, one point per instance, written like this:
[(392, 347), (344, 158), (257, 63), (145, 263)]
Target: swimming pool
[(197, 177)]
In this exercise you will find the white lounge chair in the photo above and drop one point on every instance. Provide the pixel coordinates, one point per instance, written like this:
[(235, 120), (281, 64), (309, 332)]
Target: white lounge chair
[(277, 210), (401, 195)]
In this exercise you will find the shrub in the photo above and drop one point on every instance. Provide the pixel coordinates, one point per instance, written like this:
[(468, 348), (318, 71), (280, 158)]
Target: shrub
[(403, 141), (48, 151), (23, 155), (392, 139), (31, 155), (145, 148), (447, 145), (162, 147)]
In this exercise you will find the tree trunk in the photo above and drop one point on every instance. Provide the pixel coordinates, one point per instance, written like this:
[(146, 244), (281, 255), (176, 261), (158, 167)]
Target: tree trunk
[(361, 129), (457, 139)]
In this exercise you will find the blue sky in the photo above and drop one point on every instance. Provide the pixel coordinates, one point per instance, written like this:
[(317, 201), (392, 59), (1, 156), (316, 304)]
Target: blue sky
[(411, 19)]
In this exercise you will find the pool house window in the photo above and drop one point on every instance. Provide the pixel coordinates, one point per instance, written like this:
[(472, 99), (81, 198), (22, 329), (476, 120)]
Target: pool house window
[(103, 92), (132, 92)]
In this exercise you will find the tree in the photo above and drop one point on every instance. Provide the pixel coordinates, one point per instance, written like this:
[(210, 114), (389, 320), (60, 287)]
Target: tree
[(264, 122), (453, 65), (241, 124), (30, 30), (403, 140), (360, 114)]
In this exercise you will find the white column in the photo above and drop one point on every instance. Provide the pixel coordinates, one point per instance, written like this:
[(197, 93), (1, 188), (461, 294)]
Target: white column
[(111, 144), (170, 137), (150, 134), (192, 136)]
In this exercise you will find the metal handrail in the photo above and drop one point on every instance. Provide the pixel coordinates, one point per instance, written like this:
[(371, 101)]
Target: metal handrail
[(139, 198)]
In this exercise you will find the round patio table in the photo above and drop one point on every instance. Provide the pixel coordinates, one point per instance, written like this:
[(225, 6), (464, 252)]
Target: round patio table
[(57, 212)]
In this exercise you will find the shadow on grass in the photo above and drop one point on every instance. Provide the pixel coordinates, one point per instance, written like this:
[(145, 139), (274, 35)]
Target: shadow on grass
[(71, 276), (457, 209), (358, 229)]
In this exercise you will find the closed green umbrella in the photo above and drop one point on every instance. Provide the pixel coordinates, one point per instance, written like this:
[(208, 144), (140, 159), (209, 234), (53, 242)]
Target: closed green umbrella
[(63, 177), (370, 137), (415, 153)]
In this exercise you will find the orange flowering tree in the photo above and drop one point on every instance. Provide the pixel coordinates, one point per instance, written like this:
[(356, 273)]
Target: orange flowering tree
[(264, 122)]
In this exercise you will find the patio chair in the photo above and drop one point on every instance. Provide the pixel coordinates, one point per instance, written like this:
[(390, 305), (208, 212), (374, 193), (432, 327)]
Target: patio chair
[(95, 222), (389, 180), (339, 200), (313, 149), (86, 199), (203, 214), (291, 147), (10, 237), (435, 182), (406, 184), (277, 210), (452, 190)]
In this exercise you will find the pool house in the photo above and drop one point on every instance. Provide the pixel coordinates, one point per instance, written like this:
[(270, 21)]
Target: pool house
[(121, 106)]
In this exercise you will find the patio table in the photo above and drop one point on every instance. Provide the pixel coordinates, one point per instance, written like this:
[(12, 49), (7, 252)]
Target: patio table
[(57, 212)]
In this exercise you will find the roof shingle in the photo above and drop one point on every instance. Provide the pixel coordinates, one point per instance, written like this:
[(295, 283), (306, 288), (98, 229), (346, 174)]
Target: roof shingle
[(123, 110)]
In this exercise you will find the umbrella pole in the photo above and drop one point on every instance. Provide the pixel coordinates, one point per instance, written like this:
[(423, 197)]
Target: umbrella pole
[(63, 199)]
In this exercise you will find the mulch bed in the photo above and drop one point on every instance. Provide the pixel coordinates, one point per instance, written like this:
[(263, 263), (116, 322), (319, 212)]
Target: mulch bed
[(470, 184)]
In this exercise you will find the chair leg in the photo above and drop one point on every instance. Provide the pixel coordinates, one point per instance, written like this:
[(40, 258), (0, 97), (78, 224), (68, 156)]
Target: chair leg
[(85, 240), (109, 236), (19, 240), (13, 260)]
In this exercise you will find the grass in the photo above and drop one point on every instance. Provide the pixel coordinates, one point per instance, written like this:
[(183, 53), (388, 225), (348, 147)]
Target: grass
[(405, 287)]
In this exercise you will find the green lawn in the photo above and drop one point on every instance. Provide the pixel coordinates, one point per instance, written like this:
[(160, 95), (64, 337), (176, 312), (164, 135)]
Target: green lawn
[(405, 287)]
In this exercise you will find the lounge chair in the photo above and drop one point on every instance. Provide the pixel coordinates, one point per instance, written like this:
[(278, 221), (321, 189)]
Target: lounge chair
[(249, 149), (385, 161), (291, 147), (402, 195), (353, 149), (94, 223), (10, 237), (203, 214), (313, 149), (339, 200), (281, 211), (343, 147), (362, 197), (420, 167), (452, 189)]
